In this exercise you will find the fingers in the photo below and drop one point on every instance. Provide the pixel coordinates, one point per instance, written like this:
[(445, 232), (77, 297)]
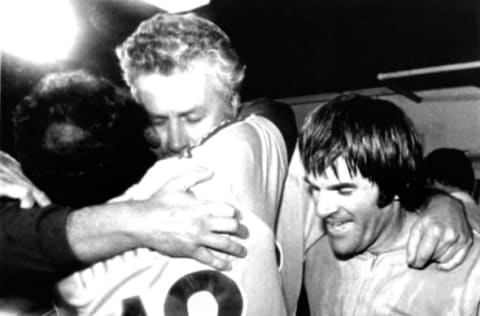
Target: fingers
[(242, 232), (224, 244), (456, 252), (229, 226), (223, 210), (413, 243), (448, 245), (422, 244), (427, 248), (15, 185), (21, 193), (431, 243), (455, 260), (27, 196), (41, 198), (209, 257)]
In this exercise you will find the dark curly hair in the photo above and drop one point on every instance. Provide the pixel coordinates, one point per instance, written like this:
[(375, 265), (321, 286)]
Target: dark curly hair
[(80, 138)]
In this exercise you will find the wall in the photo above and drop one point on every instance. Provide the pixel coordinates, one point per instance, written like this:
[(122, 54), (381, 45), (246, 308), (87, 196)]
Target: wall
[(445, 118)]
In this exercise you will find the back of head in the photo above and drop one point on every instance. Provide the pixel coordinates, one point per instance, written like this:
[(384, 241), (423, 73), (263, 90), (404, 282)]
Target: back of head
[(375, 138), (449, 167), (169, 43), (80, 138)]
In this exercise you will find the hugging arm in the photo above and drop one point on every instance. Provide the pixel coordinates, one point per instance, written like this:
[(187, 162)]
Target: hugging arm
[(57, 240), (442, 234)]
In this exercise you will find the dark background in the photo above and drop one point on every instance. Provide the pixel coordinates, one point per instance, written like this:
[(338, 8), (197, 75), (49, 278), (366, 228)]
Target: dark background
[(291, 48)]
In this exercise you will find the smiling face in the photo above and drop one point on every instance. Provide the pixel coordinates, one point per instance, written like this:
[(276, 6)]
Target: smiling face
[(347, 203), (183, 107)]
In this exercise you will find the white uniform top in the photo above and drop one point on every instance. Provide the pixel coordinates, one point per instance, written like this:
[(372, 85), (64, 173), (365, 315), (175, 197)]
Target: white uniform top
[(249, 163), (383, 284), (297, 229)]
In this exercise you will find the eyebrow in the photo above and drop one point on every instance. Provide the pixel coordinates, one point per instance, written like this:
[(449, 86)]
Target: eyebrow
[(336, 186), (312, 186), (181, 114), (342, 185), (307, 180)]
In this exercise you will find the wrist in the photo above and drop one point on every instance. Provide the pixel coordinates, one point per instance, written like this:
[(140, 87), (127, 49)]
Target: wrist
[(144, 222), (434, 196), (99, 232)]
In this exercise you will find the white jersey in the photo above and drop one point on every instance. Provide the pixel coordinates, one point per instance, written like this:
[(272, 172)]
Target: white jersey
[(249, 163), (297, 230)]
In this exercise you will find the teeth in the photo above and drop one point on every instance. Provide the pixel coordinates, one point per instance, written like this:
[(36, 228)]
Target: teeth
[(339, 227)]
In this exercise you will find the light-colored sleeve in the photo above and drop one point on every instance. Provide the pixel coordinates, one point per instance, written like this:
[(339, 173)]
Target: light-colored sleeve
[(249, 163), (297, 229), (156, 177)]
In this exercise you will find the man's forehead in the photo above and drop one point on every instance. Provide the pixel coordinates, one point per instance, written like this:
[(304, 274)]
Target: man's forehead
[(178, 92), (337, 172)]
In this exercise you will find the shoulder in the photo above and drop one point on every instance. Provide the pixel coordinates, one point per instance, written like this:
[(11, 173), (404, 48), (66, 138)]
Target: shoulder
[(250, 136), (280, 114)]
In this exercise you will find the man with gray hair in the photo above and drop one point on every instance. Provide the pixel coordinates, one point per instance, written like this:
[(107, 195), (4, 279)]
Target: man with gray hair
[(185, 72)]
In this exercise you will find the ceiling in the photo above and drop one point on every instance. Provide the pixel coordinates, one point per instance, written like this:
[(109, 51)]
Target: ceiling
[(292, 48)]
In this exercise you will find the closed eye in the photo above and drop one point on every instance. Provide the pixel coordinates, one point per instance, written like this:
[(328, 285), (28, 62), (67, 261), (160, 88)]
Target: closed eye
[(343, 188), (345, 191), (158, 121), (194, 119)]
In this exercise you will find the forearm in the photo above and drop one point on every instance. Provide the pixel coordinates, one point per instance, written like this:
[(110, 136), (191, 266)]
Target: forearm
[(433, 198), (99, 232), (473, 216)]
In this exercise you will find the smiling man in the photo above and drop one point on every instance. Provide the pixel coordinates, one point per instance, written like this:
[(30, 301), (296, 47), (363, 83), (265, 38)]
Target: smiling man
[(361, 156)]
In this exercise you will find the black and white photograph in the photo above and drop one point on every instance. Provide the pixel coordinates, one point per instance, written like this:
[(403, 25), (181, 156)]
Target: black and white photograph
[(239, 158)]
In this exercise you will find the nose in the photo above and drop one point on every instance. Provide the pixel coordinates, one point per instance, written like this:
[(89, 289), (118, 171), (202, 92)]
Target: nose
[(177, 138), (325, 204)]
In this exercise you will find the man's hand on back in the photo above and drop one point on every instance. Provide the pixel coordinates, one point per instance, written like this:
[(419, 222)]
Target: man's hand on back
[(188, 227)]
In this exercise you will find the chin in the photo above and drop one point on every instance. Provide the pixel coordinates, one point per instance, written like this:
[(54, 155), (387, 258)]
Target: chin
[(343, 253)]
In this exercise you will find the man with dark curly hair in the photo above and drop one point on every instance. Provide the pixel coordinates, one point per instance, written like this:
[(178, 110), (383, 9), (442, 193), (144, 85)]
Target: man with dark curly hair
[(81, 139), (75, 132)]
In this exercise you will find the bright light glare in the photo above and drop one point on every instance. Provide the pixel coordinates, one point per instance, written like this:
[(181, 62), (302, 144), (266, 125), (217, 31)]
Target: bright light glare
[(175, 6), (38, 30)]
